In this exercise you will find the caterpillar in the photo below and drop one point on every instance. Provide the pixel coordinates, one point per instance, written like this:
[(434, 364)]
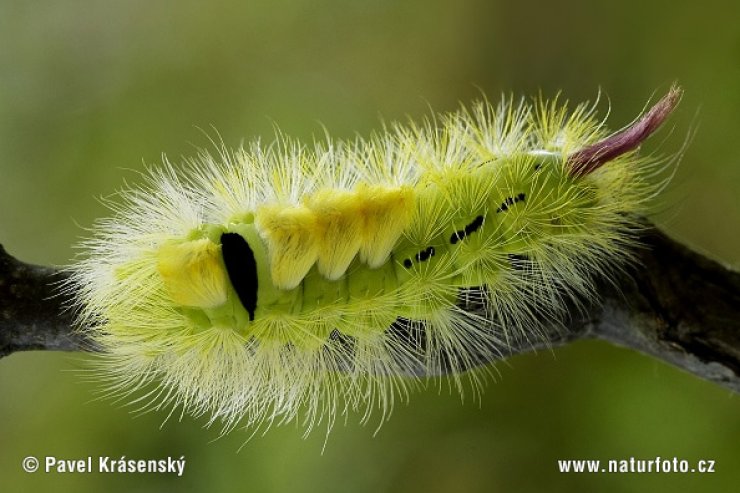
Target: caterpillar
[(294, 282)]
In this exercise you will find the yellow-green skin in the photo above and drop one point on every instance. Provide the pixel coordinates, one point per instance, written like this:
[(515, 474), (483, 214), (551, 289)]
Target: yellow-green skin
[(533, 183), (347, 239)]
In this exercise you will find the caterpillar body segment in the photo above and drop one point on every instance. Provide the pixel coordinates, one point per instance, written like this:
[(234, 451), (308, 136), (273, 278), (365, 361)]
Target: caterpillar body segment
[(281, 279), (286, 238)]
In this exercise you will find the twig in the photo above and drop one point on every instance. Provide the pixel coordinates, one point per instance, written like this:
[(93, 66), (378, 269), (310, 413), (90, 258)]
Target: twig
[(32, 313), (677, 306)]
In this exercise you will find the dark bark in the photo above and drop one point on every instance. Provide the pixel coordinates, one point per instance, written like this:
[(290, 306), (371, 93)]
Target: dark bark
[(32, 310), (675, 305)]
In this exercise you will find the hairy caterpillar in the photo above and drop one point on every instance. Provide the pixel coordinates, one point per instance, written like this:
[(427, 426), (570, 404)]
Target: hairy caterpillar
[(284, 281)]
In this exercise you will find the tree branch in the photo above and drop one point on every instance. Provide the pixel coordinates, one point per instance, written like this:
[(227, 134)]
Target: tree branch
[(32, 313), (678, 306)]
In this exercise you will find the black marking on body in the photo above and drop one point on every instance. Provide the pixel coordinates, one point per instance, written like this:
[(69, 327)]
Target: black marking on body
[(242, 269), (518, 261), (422, 256), (509, 201), (410, 334), (469, 229), (348, 346), (425, 254)]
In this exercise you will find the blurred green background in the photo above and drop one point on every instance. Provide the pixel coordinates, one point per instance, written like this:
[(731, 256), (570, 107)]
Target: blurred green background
[(91, 90)]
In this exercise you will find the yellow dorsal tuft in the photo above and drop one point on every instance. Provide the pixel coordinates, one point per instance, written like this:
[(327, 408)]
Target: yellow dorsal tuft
[(339, 229), (193, 273), (386, 212), (290, 233)]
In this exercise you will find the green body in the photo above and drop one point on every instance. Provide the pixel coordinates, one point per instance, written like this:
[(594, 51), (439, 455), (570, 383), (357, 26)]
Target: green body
[(516, 217)]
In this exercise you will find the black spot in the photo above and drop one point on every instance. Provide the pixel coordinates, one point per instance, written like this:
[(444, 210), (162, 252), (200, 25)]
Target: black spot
[(474, 226), (347, 343), (338, 337), (509, 201), (469, 229), (425, 254), (409, 334), (407, 263), (537, 166), (242, 269), (473, 299), (518, 261)]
